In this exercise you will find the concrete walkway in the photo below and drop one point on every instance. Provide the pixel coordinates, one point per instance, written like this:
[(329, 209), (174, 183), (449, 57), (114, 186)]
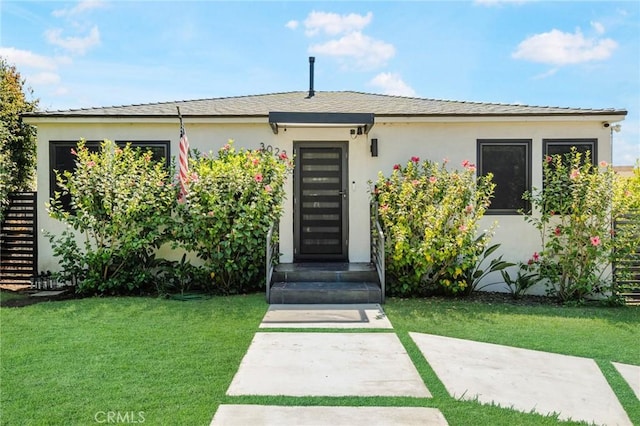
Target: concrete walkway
[(340, 363)]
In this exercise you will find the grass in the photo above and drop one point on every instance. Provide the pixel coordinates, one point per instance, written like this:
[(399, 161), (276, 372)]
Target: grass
[(66, 362)]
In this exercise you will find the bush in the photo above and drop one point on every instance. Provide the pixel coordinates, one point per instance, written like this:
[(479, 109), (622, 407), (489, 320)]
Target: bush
[(574, 221), (121, 203), (430, 219), (232, 201)]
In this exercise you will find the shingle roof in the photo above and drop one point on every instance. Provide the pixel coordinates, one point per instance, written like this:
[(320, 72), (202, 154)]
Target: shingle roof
[(341, 102)]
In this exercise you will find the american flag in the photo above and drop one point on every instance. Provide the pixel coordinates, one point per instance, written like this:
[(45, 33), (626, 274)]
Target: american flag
[(183, 160)]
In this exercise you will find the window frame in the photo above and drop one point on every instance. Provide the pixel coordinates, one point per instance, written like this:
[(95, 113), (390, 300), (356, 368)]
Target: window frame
[(54, 145), (569, 142), (527, 144)]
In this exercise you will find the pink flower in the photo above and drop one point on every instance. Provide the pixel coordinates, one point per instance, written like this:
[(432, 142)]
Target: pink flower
[(557, 231), (595, 241), (465, 163), (415, 182), (384, 207), (258, 177), (548, 158), (574, 174), (226, 147), (603, 164), (468, 209), (433, 179), (283, 155), (194, 177), (268, 188), (118, 151), (396, 167), (73, 152), (445, 160), (472, 168), (536, 257), (210, 213), (255, 161), (462, 228), (91, 163), (415, 159)]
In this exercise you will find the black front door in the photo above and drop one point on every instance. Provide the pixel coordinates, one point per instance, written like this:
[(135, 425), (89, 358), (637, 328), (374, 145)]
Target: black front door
[(321, 201)]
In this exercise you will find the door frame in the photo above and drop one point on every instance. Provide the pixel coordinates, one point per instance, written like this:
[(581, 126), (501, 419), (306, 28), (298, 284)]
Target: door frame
[(297, 174)]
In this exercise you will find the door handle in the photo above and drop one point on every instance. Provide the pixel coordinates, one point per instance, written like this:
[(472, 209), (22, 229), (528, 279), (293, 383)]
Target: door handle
[(343, 193)]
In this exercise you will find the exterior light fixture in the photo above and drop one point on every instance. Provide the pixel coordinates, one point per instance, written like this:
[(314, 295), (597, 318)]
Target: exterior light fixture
[(374, 147)]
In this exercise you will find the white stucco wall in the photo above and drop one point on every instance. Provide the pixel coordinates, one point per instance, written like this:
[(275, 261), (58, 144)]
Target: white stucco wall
[(398, 140)]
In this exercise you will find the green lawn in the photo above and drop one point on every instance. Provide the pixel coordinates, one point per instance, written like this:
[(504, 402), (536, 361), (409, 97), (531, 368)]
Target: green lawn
[(66, 362)]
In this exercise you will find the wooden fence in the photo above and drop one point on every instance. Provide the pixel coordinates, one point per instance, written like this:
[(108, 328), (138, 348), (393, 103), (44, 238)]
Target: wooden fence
[(19, 240), (626, 272)]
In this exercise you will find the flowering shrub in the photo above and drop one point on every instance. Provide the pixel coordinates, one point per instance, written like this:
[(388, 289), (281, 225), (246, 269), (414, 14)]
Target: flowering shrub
[(121, 201), (575, 212), (430, 219), (232, 201)]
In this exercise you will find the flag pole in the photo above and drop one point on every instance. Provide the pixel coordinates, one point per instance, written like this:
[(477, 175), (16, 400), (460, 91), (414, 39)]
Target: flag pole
[(183, 159)]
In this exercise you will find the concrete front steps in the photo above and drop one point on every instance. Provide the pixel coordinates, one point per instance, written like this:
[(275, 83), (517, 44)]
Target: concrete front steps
[(325, 283)]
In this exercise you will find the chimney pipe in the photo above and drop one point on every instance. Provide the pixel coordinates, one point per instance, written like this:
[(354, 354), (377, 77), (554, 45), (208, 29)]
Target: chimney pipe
[(312, 92)]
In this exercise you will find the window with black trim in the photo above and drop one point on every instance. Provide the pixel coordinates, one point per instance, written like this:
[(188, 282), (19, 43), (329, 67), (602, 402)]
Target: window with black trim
[(555, 199), (563, 147), (62, 160), (509, 160)]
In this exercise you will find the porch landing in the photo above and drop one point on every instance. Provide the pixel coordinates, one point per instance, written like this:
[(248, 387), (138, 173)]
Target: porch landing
[(325, 283)]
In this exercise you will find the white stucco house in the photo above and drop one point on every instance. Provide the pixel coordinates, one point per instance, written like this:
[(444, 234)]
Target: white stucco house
[(354, 135)]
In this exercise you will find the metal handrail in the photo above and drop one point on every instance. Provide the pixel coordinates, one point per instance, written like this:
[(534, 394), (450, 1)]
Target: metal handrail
[(377, 249), (271, 248)]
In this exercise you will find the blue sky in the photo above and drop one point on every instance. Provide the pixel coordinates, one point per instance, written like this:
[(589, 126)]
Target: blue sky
[(101, 52)]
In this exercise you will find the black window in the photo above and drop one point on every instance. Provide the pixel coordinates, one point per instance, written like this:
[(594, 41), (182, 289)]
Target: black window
[(587, 147), (555, 193), (61, 158), (510, 163)]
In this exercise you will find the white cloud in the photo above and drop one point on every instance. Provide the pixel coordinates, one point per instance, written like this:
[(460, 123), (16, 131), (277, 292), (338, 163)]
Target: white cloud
[(559, 48), (546, 74), (44, 78), (25, 58), (365, 51), (75, 45), (392, 84), (82, 6), (334, 24), (292, 25), (598, 27)]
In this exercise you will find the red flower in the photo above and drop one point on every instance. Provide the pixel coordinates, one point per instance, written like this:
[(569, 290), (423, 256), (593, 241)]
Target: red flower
[(283, 155), (536, 257), (415, 159), (396, 167), (557, 231)]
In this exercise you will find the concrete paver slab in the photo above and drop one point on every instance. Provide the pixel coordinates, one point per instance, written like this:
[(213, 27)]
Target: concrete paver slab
[(256, 415), (327, 364), (631, 373), (523, 379), (326, 316)]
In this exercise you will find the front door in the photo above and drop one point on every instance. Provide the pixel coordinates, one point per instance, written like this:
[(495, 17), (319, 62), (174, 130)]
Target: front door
[(321, 201)]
